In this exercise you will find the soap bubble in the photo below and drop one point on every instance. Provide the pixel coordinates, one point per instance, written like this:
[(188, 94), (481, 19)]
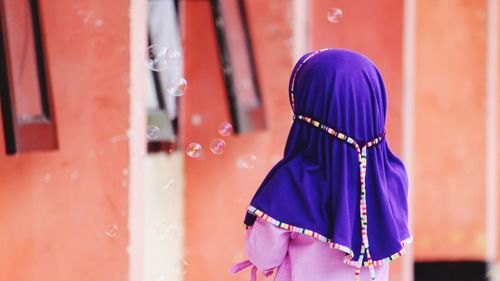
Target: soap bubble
[(183, 267), (178, 89), (153, 132), (334, 15), (167, 230), (173, 58), (196, 119), (169, 185), (111, 230), (161, 278), (217, 146), (194, 150), (225, 129), (156, 57), (247, 161)]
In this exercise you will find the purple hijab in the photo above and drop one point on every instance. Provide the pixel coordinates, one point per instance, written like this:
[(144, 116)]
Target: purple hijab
[(315, 188)]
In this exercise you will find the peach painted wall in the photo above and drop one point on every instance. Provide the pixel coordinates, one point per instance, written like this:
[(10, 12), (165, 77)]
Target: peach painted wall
[(450, 131), (376, 31), (55, 206), (217, 192)]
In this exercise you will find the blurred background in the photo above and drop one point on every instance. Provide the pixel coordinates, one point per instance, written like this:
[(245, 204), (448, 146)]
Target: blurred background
[(135, 132)]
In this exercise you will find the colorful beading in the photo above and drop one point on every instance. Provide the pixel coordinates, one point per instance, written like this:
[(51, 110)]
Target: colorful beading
[(258, 213), (292, 87), (365, 247), (350, 254)]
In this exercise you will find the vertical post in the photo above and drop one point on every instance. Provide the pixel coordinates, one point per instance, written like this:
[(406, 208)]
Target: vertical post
[(137, 140), (491, 133), (409, 20), (301, 40)]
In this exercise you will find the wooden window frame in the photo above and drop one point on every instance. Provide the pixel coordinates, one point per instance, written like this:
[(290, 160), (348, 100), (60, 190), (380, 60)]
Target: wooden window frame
[(26, 133), (244, 120)]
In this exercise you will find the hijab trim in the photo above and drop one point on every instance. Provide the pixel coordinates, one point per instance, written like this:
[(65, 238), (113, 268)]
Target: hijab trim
[(365, 247), (347, 259)]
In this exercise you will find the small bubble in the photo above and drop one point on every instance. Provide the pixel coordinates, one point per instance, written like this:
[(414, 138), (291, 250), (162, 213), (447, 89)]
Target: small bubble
[(156, 57), (219, 22), (334, 15), (228, 70), (178, 89), (47, 178), (125, 171), (275, 159), (174, 58), (196, 119), (74, 175), (247, 161), (217, 146), (194, 150), (153, 132), (167, 230), (225, 129), (111, 230), (161, 278), (183, 267), (169, 185), (99, 22)]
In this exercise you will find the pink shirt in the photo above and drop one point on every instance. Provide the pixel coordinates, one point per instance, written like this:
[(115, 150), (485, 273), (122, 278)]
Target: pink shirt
[(298, 257)]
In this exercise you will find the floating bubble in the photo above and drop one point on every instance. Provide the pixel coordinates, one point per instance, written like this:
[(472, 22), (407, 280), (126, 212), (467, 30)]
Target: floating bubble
[(183, 267), (111, 230), (167, 231), (178, 89), (173, 58), (169, 185), (74, 175), (156, 57), (196, 119), (335, 15), (153, 132), (218, 146), (161, 278), (225, 129), (194, 150), (247, 161)]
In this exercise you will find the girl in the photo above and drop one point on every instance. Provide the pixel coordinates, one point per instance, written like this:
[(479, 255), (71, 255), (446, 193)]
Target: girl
[(335, 207)]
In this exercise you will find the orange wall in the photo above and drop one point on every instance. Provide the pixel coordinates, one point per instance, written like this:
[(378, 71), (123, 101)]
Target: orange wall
[(450, 134), (217, 192), (376, 31), (54, 206)]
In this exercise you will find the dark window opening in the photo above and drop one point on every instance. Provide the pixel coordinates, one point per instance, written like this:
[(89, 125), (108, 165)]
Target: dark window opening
[(162, 108), (450, 271)]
